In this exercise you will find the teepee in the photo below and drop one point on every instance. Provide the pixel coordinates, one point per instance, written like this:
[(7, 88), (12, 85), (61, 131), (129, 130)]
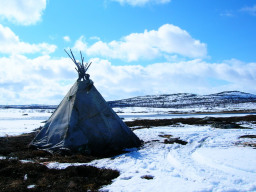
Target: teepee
[(84, 122)]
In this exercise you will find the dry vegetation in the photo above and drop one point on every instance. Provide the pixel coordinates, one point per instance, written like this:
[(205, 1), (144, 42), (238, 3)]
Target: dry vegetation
[(17, 176), (217, 122)]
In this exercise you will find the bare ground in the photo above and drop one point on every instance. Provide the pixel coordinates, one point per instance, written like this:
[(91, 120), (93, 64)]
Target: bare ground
[(217, 122), (17, 176)]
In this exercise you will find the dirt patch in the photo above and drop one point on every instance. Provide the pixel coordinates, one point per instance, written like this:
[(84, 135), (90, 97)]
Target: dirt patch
[(17, 176), (18, 147), (171, 140), (248, 136), (175, 140), (220, 122), (216, 112), (148, 177), (249, 144), (246, 144), (223, 125), (165, 136)]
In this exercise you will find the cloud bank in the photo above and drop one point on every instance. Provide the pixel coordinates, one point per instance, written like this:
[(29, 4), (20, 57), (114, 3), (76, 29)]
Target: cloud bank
[(23, 12), (168, 40), (193, 76), (11, 44), (45, 80), (34, 81)]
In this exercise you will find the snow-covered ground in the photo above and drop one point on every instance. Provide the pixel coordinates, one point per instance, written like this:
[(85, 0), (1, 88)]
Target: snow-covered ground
[(228, 101), (211, 161), (133, 113), (18, 121), (194, 110)]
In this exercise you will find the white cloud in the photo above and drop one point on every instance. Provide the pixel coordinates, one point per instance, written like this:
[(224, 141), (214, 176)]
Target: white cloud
[(195, 76), (11, 44), (45, 80), (141, 2), (66, 38), (166, 41), (250, 10), (41, 80), (24, 12)]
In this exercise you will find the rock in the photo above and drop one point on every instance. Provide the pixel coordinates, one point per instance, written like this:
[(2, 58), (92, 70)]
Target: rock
[(175, 140), (225, 125), (147, 177)]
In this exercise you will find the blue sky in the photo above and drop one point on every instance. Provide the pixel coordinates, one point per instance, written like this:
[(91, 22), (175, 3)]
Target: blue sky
[(137, 47)]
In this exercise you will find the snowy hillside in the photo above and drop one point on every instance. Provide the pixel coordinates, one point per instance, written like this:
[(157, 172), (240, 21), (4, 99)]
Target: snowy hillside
[(186, 100), (224, 101)]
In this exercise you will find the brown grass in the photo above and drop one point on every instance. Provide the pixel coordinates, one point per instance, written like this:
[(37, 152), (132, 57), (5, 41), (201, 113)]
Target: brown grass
[(17, 146), (17, 176), (248, 136), (231, 122), (12, 172)]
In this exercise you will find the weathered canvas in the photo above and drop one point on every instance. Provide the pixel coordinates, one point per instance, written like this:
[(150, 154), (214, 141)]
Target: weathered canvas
[(84, 122)]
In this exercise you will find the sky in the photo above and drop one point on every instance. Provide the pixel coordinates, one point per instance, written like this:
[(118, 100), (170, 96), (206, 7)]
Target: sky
[(137, 47)]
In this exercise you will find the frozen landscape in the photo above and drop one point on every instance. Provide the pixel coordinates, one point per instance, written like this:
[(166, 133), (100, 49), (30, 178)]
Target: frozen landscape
[(211, 158), (179, 75)]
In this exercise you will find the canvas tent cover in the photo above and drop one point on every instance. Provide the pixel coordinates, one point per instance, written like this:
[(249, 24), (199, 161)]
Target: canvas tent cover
[(84, 122)]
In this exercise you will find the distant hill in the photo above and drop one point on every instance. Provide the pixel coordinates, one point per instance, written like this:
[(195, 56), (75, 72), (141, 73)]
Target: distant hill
[(179, 100), (187, 100), (34, 106)]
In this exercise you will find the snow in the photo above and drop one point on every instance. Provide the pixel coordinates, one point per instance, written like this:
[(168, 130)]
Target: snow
[(133, 113), (194, 110), (18, 121), (31, 186), (228, 101), (211, 161)]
